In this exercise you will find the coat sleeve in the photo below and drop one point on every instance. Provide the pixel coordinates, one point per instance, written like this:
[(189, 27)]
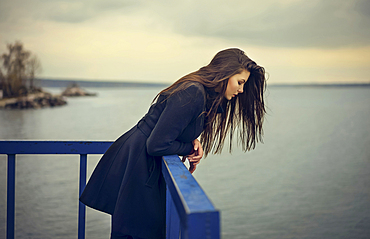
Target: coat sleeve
[(181, 108)]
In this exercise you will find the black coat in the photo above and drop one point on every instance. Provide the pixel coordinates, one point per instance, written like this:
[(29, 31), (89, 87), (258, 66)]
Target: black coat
[(127, 182)]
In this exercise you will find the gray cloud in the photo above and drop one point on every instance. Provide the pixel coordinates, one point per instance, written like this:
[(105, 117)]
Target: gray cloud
[(71, 11), (276, 23), (329, 23), (79, 11)]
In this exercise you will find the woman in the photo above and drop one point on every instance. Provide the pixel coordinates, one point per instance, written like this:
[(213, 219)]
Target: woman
[(213, 102)]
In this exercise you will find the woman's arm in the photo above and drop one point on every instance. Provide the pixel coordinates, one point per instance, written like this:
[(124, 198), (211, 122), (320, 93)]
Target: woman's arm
[(181, 108)]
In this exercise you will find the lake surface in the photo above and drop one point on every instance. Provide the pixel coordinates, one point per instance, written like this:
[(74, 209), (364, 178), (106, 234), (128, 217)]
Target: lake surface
[(309, 179)]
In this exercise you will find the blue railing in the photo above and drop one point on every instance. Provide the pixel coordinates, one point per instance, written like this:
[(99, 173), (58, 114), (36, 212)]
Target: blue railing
[(189, 211)]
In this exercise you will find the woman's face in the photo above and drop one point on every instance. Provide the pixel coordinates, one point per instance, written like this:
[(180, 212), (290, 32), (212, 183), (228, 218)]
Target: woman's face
[(236, 84)]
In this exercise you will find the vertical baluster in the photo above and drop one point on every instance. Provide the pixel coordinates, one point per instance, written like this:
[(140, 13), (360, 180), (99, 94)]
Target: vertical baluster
[(81, 207), (10, 216)]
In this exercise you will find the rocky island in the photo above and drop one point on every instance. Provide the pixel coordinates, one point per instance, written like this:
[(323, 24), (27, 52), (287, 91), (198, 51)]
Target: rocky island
[(35, 100), (74, 90), (18, 90), (17, 81)]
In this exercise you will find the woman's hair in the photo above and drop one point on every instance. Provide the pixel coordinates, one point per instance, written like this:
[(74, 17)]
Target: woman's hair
[(243, 113)]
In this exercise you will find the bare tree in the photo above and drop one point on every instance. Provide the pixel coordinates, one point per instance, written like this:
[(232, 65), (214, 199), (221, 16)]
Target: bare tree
[(33, 68), (18, 67), (2, 83)]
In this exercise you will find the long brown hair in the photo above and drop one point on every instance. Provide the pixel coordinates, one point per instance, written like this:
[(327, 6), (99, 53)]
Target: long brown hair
[(243, 113)]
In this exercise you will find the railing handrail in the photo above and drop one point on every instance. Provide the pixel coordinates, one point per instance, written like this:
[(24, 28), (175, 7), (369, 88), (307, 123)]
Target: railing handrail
[(197, 215), (53, 147), (188, 208)]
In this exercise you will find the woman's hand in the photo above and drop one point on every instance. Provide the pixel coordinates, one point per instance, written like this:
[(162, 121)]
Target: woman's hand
[(195, 156)]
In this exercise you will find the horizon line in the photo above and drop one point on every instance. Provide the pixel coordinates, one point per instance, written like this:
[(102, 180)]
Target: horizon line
[(165, 83)]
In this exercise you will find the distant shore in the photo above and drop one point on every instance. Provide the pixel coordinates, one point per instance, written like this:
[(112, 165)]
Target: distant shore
[(91, 83), (322, 85)]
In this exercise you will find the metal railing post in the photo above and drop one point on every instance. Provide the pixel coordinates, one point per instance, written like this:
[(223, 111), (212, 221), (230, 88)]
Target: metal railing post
[(81, 206), (10, 214)]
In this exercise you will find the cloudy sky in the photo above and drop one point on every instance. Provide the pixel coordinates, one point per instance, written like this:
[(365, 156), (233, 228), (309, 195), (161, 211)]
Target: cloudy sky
[(300, 41)]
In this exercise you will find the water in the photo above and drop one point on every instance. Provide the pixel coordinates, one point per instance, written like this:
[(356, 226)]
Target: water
[(310, 178)]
